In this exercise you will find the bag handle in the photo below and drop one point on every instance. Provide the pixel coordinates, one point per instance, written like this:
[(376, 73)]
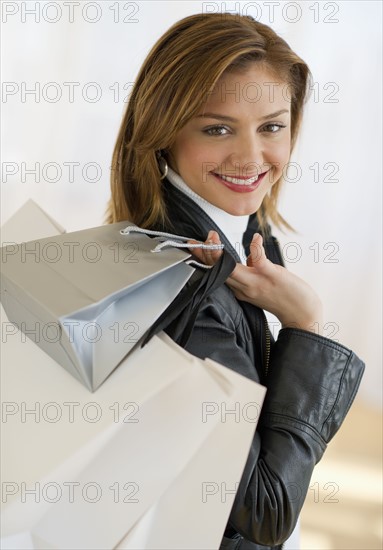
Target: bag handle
[(172, 240)]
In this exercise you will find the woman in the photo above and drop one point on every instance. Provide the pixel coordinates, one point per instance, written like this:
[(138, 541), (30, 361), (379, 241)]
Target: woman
[(211, 123)]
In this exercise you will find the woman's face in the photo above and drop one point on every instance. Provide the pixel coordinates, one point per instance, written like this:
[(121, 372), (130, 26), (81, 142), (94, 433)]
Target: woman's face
[(236, 148)]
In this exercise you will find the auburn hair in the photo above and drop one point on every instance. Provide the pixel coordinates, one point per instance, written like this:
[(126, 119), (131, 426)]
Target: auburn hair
[(173, 83)]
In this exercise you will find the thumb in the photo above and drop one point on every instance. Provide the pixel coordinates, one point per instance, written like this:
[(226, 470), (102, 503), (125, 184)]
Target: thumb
[(257, 252)]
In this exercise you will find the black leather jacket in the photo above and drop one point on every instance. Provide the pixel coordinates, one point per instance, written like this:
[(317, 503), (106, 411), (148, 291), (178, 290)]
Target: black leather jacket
[(311, 382)]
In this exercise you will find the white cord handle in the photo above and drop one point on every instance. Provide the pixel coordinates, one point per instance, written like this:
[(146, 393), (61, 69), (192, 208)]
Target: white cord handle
[(170, 240)]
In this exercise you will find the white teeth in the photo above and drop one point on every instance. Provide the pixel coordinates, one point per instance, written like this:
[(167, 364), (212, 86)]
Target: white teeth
[(238, 181)]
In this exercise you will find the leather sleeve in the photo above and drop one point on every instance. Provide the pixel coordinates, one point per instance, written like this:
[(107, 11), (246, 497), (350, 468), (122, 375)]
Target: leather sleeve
[(311, 383)]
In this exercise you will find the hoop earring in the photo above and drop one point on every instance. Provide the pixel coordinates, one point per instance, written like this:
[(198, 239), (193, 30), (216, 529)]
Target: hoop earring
[(163, 166)]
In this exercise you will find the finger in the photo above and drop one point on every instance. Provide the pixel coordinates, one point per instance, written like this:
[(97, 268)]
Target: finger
[(197, 252), (206, 256), (212, 256), (257, 251)]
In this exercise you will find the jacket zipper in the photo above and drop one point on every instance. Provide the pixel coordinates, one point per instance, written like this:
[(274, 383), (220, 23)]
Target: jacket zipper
[(267, 360), (268, 344)]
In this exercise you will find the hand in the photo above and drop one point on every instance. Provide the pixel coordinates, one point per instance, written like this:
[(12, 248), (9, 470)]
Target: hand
[(270, 286)]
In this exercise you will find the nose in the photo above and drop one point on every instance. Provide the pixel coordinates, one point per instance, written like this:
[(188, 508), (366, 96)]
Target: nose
[(247, 156)]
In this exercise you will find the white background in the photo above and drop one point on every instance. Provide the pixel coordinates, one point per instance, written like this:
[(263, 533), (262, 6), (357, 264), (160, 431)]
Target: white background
[(337, 215)]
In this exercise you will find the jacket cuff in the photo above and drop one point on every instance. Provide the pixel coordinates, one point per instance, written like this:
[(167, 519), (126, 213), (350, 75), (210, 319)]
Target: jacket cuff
[(312, 381)]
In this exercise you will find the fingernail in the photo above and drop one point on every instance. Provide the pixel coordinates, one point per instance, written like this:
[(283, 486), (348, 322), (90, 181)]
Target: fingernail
[(210, 235)]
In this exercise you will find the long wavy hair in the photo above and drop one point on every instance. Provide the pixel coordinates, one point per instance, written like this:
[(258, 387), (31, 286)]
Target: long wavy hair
[(179, 72)]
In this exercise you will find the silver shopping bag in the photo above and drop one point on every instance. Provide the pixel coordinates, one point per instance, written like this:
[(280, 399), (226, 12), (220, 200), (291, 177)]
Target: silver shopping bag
[(87, 297)]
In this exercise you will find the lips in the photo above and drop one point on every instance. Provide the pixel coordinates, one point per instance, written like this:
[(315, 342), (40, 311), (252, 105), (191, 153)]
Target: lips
[(239, 180), (240, 184)]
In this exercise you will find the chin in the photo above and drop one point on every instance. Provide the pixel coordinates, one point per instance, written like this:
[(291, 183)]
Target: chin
[(245, 210)]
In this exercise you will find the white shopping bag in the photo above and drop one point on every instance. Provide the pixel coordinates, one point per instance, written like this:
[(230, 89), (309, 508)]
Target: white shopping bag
[(193, 512), (91, 475)]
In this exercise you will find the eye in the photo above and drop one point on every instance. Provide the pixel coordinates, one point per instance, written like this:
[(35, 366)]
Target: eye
[(217, 130), (273, 128)]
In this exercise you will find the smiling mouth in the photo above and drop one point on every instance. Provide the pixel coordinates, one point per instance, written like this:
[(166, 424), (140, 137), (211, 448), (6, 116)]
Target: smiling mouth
[(240, 183), (239, 180)]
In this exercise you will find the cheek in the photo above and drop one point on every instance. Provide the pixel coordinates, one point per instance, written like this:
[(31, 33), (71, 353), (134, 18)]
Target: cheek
[(280, 149), (198, 156), (280, 154), (188, 151)]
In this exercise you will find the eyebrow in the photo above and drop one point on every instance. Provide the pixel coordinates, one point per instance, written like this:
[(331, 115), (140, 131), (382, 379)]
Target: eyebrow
[(231, 119)]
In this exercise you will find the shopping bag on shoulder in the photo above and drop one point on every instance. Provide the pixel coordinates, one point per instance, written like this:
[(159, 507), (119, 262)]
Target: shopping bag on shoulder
[(87, 297)]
